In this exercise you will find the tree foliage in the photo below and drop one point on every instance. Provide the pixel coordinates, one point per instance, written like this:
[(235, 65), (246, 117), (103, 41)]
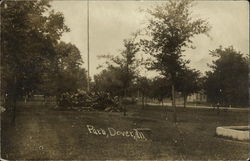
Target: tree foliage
[(70, 75), (28, 38), (124, 66), (189, 82), (143, 85), (228, 81), (109, 80), (32, 59), (171, 28), (160, 88)]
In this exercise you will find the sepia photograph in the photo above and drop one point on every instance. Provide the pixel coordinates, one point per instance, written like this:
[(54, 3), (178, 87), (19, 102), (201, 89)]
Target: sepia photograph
[(124, 80)]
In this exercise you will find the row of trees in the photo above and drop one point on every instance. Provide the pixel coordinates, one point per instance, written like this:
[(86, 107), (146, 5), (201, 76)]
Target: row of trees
[(33, 59), (226, 83), (169, 32)]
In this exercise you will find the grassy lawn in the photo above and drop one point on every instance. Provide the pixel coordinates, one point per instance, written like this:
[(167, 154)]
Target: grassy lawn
[(42, 133)]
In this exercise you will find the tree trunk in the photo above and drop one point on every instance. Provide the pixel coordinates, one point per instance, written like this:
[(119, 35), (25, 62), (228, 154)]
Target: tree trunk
[(25, 99), (14, 110), (124, 104), (185, 100), (14, 100), (173, 104), (218, 108), (165, 109)]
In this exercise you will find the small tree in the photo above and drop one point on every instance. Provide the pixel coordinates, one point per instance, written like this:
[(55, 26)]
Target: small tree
[(161, 88), (143, 85), (171, 28), (109, 80), (126, 64), (189, 82)]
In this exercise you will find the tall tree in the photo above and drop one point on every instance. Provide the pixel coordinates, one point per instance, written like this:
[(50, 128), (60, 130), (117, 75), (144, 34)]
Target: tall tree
[(67, 75), (28, 37), (126, 63), (71, 76), (226, 83), (170, 29)]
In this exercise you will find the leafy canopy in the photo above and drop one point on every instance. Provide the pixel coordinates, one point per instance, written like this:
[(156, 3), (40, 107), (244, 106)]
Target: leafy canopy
[(125, 64), (171, 27), (28, 38), (228, 81)]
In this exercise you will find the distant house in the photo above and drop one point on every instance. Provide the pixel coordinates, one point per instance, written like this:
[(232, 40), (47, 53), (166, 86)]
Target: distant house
[(199, 97)]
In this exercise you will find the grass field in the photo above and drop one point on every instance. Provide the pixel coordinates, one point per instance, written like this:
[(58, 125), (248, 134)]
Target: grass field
[(43, 133)]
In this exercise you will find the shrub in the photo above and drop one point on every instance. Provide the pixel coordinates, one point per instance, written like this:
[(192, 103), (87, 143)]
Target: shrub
[(103, 100), (82, 99), (65, 100), (86, 100)]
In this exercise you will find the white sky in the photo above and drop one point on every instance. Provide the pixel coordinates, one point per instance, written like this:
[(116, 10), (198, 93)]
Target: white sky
[(113, 21)]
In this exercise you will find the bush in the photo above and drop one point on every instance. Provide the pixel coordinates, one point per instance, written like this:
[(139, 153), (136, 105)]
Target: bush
[(64, 100), (84, 100)]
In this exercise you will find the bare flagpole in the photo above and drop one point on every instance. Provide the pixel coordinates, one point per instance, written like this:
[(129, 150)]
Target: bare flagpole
[(88, 77)]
